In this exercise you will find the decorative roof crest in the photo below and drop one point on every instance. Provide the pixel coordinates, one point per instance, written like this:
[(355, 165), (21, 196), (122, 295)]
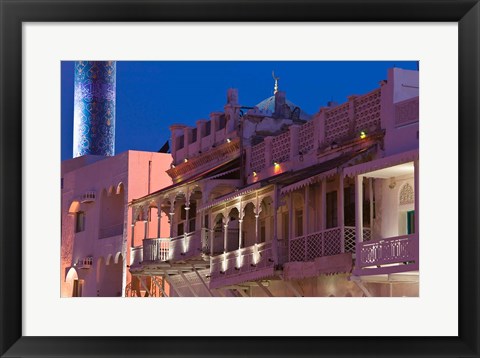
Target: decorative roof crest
[(275, 88)]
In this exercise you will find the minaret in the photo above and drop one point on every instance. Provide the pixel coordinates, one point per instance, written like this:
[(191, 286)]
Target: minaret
[(94, 108)]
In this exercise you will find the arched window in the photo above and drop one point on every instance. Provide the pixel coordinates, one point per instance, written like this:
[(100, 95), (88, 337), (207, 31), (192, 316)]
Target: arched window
[(407, 195)]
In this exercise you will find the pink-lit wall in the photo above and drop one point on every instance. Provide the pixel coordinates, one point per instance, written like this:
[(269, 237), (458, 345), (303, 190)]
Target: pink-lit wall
[(115, 181)]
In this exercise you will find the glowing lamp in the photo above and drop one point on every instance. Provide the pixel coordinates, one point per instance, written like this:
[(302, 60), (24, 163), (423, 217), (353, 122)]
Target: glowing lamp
[(228, 140), (363, 134), (185, 160), (254, 173), (276, 164)]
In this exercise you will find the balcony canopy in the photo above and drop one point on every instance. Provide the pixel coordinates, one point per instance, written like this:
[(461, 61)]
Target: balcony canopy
[(387, 167)]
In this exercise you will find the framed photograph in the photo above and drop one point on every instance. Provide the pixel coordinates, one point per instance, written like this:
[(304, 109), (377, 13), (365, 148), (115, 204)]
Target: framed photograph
[(289, 261)]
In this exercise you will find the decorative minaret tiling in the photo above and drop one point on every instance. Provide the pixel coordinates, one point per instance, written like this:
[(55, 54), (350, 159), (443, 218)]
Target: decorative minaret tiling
[(94, 108)]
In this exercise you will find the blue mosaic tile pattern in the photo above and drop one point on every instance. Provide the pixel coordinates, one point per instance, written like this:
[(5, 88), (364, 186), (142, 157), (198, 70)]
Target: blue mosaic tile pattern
[(94, 108)]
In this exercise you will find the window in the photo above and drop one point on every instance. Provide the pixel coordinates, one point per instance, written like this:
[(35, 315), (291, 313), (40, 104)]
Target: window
[(183, 213), (410, 222), (331, 209), (180, 230), (79, 221), (298, 222)]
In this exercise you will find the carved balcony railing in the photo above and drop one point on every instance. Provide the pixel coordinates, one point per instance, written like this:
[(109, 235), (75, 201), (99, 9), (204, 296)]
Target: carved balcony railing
[(84, 263), (178, 248), (238, 262), (389, 255), (328, 242), (205, 240), (185, 246), (156, 249)]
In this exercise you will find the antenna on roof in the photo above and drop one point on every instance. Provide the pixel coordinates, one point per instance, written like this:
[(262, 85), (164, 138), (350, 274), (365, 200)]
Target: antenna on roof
[(275, 88)]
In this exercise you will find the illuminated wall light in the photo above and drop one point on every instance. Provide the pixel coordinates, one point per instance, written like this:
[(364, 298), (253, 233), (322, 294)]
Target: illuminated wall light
[(255, 255), (228, 140), (185, 160), (239, 260), (363, 135), (276, 164), (254, 173), (224, 262)]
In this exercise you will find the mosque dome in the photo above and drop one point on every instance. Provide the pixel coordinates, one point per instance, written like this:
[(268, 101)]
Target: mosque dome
[(268, 106)]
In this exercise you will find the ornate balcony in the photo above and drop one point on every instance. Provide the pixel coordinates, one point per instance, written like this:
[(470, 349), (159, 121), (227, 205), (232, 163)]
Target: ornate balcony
[(385, 256), (88, 197), (328, 242), (179, 248), (246, 264), (84, 263)]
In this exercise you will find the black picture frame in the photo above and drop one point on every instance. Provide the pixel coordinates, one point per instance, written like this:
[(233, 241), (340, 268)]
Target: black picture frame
[(15, 12)]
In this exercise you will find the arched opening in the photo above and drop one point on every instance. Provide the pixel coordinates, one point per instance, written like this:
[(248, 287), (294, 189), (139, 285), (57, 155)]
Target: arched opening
[(138, 226), (233, 230), (266, 220), (73, 287), (218, 234), (248, 225)]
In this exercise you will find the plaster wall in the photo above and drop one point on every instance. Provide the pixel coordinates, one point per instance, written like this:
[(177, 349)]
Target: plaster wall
[(390, 216), (126, 173), (399, 111)]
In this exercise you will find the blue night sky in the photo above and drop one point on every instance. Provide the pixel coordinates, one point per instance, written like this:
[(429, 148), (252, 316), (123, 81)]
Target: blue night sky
[(153, 95)]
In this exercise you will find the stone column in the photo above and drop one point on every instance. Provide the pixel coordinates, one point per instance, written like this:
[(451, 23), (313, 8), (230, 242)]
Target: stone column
[(240, 221), (159, 220), (359, 209), (187, 218), (256, 227), (225, 236), (290, 216), (172, 213), (340, 211), (94, 108), (307, 210)]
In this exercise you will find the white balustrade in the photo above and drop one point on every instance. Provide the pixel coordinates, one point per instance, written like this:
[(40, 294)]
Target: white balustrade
[(400, 249), (241, 261), (323, 243), (156, 249)]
